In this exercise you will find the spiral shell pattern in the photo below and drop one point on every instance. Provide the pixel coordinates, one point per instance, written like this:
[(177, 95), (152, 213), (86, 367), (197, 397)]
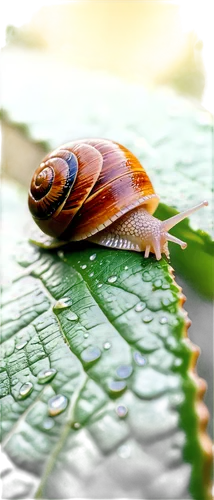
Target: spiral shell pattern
[(84, 186)]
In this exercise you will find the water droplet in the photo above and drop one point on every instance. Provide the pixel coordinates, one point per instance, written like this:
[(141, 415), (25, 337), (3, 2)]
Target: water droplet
[(117, 386), (57, 405), (83, 266), (76, 425), (25, 390), (147, 276), (15, 315), (21, 344), (46, 375), (85, 335), (163, 320), (148, 318), (124, 371), (99, 286), (62, 303), (126, 268), (121, 411), (139, 359), (112, 279), (107, 345), (72, 316), (91, 275), (140, 306), (48, 423), (178, 362), (90, 354), (93, 256), (166, 302)]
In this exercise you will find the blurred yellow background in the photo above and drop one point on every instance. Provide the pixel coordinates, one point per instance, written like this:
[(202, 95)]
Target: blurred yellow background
[(150, 42)]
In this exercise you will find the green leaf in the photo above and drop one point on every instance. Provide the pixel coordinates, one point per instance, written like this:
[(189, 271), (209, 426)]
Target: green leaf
[(171, 135), (97, 385)]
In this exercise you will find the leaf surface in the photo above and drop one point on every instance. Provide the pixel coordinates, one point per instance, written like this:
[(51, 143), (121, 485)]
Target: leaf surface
[(116, 414)]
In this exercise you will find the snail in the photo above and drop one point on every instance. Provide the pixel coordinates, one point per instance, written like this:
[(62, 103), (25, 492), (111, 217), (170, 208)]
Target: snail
[(96, 189)]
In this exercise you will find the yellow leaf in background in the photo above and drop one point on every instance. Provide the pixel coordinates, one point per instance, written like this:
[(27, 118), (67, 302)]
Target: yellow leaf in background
[(144, 38)]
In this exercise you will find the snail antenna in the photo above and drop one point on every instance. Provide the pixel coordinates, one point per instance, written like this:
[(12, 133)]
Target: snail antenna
[(172, 221), (172, 238)]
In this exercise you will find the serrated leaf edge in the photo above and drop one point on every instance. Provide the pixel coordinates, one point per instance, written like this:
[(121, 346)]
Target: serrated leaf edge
[(201, 409)]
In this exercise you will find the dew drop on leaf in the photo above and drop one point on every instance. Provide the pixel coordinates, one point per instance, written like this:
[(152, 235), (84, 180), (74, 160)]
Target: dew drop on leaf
[(91, 275), (148, 318), (140, 306), (121, 411), (83, 266), (57, 404), (124, 371), (112, 279), (46, 375), (25, 390), (21, 344), (163, 320), (76, 425), (139, 359), (107, 345), (48, 423), (117, 386), (72, 316), (166, 302), (99, 286), (93, 256), (85, 335), (90, 354)]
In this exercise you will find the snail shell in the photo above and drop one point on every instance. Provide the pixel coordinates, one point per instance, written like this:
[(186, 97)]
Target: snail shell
[(84, 186)]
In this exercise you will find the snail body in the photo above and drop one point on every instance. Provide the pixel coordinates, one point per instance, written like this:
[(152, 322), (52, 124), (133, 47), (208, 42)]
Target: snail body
[(96, 189)]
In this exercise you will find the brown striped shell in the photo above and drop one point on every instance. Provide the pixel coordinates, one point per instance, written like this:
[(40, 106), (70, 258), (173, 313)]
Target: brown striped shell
[(85, 185)]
